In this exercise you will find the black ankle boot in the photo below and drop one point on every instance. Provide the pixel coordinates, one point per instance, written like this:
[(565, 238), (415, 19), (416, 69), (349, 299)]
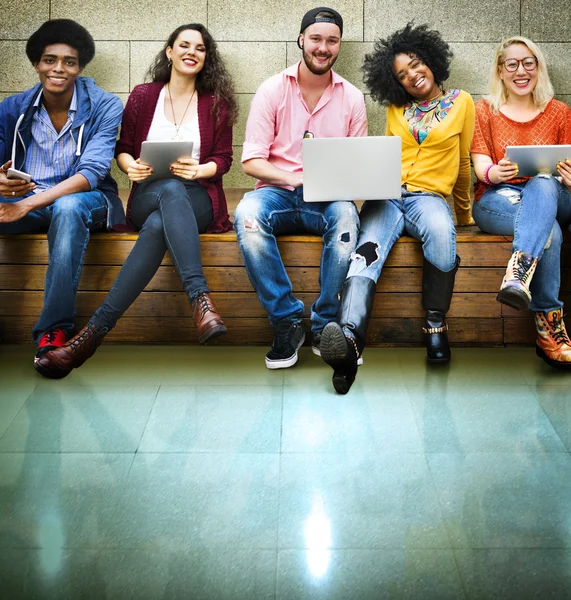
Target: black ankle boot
[(437, 288), (342, 342), (435, 337)]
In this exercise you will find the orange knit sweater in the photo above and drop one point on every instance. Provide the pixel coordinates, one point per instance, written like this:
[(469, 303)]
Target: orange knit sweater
[(493, 133)]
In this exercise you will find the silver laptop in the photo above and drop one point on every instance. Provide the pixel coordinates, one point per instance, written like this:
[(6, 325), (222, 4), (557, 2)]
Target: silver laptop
[(532, 160), (354, 168)]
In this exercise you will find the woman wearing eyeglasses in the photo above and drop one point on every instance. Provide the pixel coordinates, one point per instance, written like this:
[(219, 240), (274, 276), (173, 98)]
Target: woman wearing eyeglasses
[(520, 111)]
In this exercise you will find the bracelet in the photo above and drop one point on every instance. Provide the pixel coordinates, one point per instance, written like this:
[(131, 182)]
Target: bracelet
[(487, 179)]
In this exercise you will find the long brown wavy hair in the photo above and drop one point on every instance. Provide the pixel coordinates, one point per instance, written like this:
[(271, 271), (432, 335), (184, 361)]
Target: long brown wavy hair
[(214, 77)]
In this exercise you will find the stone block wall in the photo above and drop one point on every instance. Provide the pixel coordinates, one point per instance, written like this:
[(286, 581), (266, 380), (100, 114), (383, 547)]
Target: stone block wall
[(257, 39)]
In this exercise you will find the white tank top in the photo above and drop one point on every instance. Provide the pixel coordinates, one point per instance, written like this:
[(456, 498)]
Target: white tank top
[(162, 129)]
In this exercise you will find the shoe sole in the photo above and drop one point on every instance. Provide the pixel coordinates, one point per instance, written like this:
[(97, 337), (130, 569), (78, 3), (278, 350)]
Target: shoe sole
[(334, 348), (317, 352), (514, 299), (212, 334), (552, 363), (438, 361), (286, 362)]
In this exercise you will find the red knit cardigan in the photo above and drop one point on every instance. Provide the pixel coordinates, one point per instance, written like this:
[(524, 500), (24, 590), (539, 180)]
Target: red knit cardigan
[(215, 143)]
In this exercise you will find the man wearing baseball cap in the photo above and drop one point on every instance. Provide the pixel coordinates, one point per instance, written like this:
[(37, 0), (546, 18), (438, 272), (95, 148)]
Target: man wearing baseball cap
[(306, 100)]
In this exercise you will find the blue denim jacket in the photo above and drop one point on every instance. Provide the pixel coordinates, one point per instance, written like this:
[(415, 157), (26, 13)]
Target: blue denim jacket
[(95, 128)]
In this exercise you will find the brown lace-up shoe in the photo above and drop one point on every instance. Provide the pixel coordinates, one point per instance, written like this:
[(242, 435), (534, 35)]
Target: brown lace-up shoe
[(553, 344), (208, 322), (58, 363), (515, 285)]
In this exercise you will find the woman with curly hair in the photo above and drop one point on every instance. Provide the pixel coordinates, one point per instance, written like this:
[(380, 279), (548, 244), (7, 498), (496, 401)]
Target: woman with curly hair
[(191, 98), (520, 111), (406, 71)]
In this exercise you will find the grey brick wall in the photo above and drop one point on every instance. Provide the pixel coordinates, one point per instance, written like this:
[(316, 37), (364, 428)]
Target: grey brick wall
[(256, 37)]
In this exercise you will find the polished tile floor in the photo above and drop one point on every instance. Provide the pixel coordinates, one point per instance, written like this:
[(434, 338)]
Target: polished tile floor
[(190, 472)]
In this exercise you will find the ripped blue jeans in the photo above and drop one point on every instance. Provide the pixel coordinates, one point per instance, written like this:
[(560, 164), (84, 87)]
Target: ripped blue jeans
[(68, 221), (270, 211), (534, 212), (422, 215)]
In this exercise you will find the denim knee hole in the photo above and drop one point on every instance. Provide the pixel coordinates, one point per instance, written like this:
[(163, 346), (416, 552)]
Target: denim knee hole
[(366, 255), (251, 225)]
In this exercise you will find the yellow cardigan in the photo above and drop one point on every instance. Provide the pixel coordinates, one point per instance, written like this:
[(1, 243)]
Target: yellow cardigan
[(441, 164)]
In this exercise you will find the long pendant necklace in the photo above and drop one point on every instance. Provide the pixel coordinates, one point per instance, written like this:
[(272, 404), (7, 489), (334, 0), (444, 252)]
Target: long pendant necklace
[(176, 126)]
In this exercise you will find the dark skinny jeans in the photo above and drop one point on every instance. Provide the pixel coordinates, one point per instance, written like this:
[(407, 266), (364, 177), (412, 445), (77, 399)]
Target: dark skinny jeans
[(169, 214)]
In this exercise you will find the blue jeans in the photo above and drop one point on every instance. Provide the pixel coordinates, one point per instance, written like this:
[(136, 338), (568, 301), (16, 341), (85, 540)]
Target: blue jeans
[(534, 213), (270, 211), (68, 222), (169, 214), (424, 216)]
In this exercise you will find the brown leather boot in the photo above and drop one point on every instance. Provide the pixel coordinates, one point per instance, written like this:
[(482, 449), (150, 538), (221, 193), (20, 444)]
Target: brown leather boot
[(58, 363), (515, 285), (553, 344), (208, 322)]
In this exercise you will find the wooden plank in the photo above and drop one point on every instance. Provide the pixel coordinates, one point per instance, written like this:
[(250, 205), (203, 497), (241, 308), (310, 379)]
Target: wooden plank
[(304, 279), (113, 249), (403, 332), (519, 331), (511, 313), (156, 331), (246, 305), (383, 331)]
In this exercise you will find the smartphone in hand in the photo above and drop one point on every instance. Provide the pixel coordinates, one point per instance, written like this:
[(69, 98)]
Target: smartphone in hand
[(15, 174)]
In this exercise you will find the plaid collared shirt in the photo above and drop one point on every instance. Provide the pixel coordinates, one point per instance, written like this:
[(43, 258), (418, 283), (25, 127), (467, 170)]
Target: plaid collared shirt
[(50, 155)]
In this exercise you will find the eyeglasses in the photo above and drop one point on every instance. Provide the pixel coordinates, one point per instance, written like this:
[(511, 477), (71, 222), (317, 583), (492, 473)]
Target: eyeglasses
[(512, 64)]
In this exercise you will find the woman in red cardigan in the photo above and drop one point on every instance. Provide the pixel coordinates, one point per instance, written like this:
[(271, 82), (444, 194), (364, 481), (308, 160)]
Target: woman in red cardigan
[(191, 98)]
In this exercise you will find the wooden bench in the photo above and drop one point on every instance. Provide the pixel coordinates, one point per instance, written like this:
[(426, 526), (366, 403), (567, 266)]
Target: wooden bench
[(162, 313)]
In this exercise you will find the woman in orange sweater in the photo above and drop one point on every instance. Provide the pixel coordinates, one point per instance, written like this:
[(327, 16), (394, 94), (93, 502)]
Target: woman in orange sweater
[(406, 72), (521, 111)]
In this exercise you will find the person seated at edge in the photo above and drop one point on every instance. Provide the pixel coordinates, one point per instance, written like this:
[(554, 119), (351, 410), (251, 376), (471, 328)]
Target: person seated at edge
[(307, 99), (406, 71), (519, 111), (62, 133), (191, 97)]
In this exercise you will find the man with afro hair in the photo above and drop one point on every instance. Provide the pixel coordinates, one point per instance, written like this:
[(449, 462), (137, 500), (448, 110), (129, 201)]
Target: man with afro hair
[(56, 145)]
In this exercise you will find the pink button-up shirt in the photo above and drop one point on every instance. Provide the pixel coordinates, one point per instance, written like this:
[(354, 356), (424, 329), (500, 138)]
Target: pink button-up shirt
[(279, 118)]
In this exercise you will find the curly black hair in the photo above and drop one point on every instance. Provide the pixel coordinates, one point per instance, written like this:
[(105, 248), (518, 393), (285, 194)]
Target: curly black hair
[(61, 31), (427, 44), (214, 77)]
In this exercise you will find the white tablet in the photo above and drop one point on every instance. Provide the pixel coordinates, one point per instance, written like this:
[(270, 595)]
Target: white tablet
[(161, 155), (532, 160)]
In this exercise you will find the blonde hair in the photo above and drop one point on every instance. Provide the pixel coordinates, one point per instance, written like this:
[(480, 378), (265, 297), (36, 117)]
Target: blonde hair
[(498, 95)]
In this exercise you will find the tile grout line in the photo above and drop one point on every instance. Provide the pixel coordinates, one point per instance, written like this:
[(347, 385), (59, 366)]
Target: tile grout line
[(20, 410), (280, 454), (446, 528), (444, 524), (144, 429)]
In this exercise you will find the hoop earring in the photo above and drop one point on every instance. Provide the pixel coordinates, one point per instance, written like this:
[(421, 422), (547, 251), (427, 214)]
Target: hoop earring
[(169, 64)]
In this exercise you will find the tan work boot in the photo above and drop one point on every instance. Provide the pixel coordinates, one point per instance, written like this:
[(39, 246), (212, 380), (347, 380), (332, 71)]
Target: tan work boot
[(553, 344), (515, 285), (208, 322)]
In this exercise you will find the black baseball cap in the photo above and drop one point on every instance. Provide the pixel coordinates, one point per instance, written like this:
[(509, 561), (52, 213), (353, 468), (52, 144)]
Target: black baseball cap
[(311, 17)]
